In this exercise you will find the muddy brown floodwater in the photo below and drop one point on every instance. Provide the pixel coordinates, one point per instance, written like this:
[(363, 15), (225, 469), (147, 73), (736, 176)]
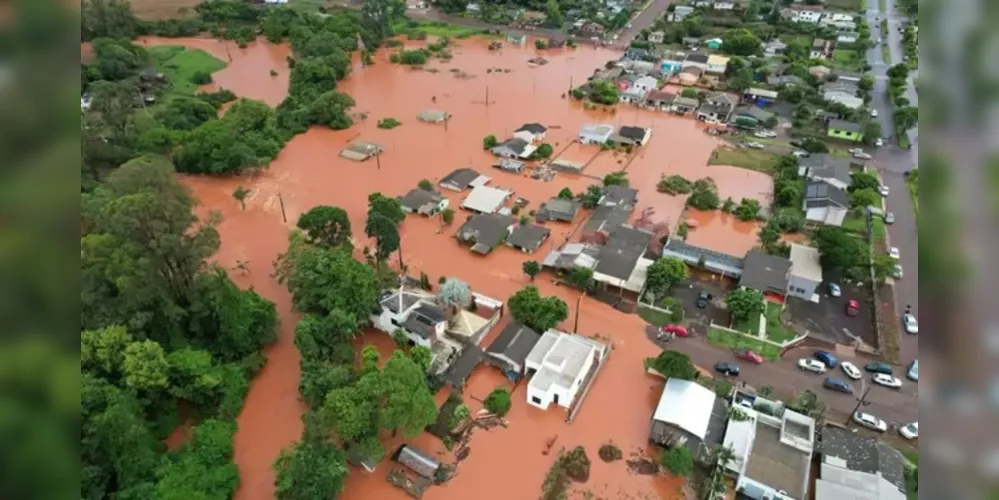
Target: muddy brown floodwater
[(504, 463)]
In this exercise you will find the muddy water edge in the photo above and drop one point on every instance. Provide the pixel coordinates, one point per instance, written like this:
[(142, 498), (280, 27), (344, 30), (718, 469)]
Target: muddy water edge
[(486, 92)]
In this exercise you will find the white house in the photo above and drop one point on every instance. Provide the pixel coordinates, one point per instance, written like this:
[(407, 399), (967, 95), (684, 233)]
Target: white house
[(679, 13), (723, 5), (811, 14), (531, 132), (485, 199), (597, 133), (633, 95), (825, 203), (646, 84), (717, 64), (806, 272), (847, 37), (415, 312), (845, 98), (558, 366)]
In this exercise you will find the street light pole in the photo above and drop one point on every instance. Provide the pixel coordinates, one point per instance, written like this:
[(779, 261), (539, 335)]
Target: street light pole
[(862, 401)]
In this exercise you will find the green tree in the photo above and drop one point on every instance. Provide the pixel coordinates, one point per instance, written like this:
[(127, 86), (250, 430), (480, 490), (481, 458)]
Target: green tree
[(863, 180), (447, 215), (421, 356), (679, 461), (906, 118), (331, 109), (193, 376), (102, 352), (425, 185), (316, 337), (453, 6), (320, 377), (203, 468), (545, 150), (454, 293), (240, 194), (406, 402), (326, 226), (745, 304), (186, 113), (748, 209), (741, 42), (531, 268), (539, 313), (674, 364), (566, 194), (603, 92), (690, 93), (555, 18), (898, 71), (351, 410), (769, 236), (704, 195), (591, 198), (872, 132), (866, 83), (386, 235), (312, 468), (861, 198), (807, 403), (108, 18), (840, 251), (115, 103), (616, 179), (389, 207), (370, 357), (665, 273), (489, 142), (740, 80), (321, 280), (498, 401), (883, 266), (461, 413), (378, 15)]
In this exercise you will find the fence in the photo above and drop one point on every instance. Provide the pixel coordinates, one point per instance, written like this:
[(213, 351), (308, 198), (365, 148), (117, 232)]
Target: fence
[(780, 345)]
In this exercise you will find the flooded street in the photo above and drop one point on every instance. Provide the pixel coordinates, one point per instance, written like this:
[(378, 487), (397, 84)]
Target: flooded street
[(504, 463)]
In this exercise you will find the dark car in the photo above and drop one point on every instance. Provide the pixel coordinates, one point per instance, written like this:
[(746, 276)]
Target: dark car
[(731, 369), (827, 358), (702, 299), (838, 385), (878, 368)]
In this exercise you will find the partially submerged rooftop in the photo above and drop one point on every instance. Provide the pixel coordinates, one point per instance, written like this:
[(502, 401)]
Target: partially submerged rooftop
[(421, 201), (462, 178), (360, 150), (485, 199), (561, 357), (485, 231), (513, 345), (528, 237)]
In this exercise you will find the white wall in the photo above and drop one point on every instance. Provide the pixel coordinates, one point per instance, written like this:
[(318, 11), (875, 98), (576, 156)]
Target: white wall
[(830, 216), (566, 395), (799, 282)]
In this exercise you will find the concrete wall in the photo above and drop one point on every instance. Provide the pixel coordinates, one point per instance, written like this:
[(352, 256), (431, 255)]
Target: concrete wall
[(797, 282)]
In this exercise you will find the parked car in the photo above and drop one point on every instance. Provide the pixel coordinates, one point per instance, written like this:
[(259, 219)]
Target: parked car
[(852, 307), (851, 370), (887, 381), (748, 355), (725, 368), (890, 218), (879, 142), (910, 431), (826, 358), (896, 272), (811, 365), (913, 372), (678, 330), (874, 113), (838, 385), (894, 253), (801, 154), (878, 367), (870, 421), (765, 134), (754, 145), (834, 290), (884, 190), (702, 299), (911, 326), (860, 155)]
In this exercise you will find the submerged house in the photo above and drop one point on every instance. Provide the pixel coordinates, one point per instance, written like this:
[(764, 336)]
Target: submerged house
[(423, 202), (360, 150), (417, 460), (462, 179), (484, 232), (510, 349), (559, 365)]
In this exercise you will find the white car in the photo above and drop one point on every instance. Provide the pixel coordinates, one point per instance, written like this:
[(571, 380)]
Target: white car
[(910, 431), (911, 326), (834, 290), (887, 380), (765, 134), (874, 113), (801, 154), (851, 370), (754, 145), (894, 253), (860, 155), (884, 190), (896, 272), (870, 421), (878, 142), (812, 365)]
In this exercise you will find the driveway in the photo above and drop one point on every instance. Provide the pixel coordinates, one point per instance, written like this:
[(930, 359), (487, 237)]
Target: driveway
[(698, 320), (828, 321)]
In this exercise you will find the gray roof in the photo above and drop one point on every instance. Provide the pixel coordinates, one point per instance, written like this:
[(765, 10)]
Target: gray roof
[(559, 209), (722, 99), (528, 237), (755, 112), (621, 253), (713, 259), (399, 301), (619, 195), (513, 344), (633, 133), (708, 108), (763, 272), (686, 101), (823, 194), (421, 200), (516, 146), (461, 178), (775, 464), (419, 461), (534, 128), (423, 319), (485, 229), (462, 367), (841, 86), (845, 126), (825, 166), (864, 454), (607, 217), (697, 58)]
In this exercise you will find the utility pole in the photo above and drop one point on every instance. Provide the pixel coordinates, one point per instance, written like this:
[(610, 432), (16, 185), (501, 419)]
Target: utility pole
[(487, 96), (575, 328), (860, 402), (284, 217), (378, 160)]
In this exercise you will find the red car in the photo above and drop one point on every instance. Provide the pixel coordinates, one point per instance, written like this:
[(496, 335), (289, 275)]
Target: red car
[(852, 308), (678, 330), (747, 355)]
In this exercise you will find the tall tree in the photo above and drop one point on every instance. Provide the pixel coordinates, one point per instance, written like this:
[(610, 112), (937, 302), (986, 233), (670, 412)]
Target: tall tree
[(745, 304), (454, 293), (539, 313), (665, 273), (108, 18), (317, 336), (839, 251), (386, 235), (326, 226), (389, 207), (230, 322), (321, 280), (531, 268), (145, 366), (203, 467), (351, 410), (406, 401), (378, 15), (313, 468), (554, 13), (240, 194), (674, 364)]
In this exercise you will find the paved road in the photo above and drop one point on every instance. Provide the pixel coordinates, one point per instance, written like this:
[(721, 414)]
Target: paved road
[(643, 20)]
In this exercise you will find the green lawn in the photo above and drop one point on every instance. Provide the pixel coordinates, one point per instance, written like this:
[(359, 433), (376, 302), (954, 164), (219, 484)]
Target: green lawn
[(750, 327), (854, 5), (733, 341), (886, 53), (857, 223), (752, 159), (903, 140), (884, 27), (912, 185), (775, 330), (180, 64), (847, 57), (435, 28), (652, 316)]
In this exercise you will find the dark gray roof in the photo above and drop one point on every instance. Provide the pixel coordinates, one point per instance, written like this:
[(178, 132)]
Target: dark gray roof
[(463, 366), (825, 166), (420, 198), (841, 86), (423, 319), (461, 178), (633, 133), (485, 229), (619, 195), (514, 343), (516, 145), (708, 108), (607, 217), (621, 253), (863, 454), (763, 272), (697, 58), (559, 209), (534, 128), (694, 253), (528, 236), (845, 126), (399, 301), (722, 99), (758, 113), (823, 194)]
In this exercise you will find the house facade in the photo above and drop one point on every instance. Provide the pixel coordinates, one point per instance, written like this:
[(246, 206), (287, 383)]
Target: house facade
[(847, 131), (595, 134), (558, 366), (717, 64), (810, 14), (806, 272), (657, 37), (414, 312), (825, 203)]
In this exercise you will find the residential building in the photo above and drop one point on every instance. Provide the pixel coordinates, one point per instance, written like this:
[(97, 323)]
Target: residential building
[(750, 116), (714, 261), (510, 349), (723, 4), (433, 116), (415, 312), (847, 76), (512, 166), (514, 148), (679, 13), (689, 414), (657, 37), (595, 133), (671, 64), (848, 131), (691, 42), (825, 203), (844, 93), (684, 105), (839, 20), (646, 84), (800, 13), (857, 466), (531, 132), (591, 29), (566, 165), (528, 237), (634, 136), (827, 168), (717, 64), (621, 196), (717, 107), (660, 100), (820, 72), (847, 37), (774, 48), (702, 3), (822, 49), (766, 273), (636, 54), (462, 179), (690, 75), (772, 454), (417, 460), (639, 68), (360, 150), (633, 95), (762, 97), (806, 273), (603, 221), (696, 60), (485, 199), (572, 256), (622, 263), (423, 202), (559, 366), (557, 209), (790, 80), (484, 232)]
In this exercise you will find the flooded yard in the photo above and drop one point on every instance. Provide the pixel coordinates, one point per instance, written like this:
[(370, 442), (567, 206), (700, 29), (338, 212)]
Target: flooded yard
[(504, 463)]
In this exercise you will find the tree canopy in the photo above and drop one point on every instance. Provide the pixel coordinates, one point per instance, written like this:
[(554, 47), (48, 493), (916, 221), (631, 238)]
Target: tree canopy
[(536, 312), (326, 226), (312, 468), (674, 364), (665, 273), (745, 304)]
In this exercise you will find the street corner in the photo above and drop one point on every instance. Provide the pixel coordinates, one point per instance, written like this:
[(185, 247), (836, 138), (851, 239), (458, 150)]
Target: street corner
[(828, 321)]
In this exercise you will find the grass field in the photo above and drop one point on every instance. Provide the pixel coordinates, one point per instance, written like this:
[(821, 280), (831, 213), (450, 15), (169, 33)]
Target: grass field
[(180, 64), (847, 59), (912, 186), (885, 53), (652, 316), (883, 5), (435, 28), (723, 338), (854, 5), (775, 331), (752, 159), (162, 9)]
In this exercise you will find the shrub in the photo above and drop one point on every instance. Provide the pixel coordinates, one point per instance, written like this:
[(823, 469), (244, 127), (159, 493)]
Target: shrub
[(674, 185), (678, 460), (498, 401), (389, 123), (392, 43), (610, 452), (201, 78)]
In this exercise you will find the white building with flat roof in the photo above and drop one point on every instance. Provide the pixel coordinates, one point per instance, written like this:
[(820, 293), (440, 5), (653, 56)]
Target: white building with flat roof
[(485, 199), (806, 273), (560, 363)]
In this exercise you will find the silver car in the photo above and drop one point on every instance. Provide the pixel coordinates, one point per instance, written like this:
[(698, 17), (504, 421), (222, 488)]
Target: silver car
[(896, 272), (889, 218)]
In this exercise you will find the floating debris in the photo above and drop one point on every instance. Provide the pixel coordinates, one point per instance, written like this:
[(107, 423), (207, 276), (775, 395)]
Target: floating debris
[(643, 466), (610, 452), (495, 45), (537, 61)]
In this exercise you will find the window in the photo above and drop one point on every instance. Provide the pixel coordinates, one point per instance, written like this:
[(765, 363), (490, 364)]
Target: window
[(536, 400), (395, 322)]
